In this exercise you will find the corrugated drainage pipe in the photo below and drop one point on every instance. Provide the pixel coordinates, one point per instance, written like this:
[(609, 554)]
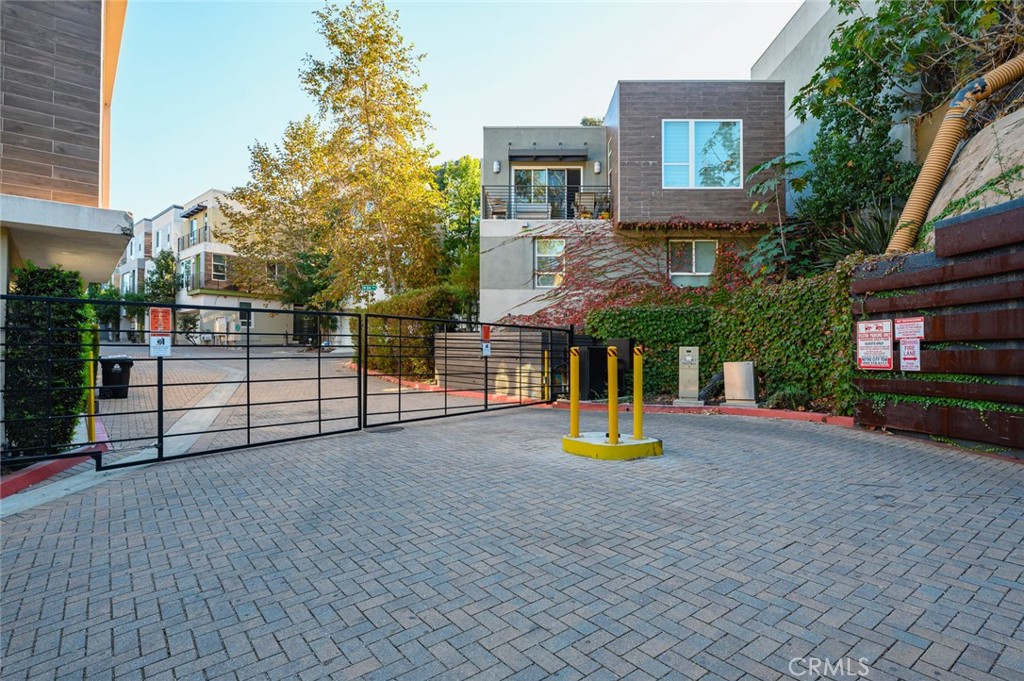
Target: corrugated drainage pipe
[(952, 130)]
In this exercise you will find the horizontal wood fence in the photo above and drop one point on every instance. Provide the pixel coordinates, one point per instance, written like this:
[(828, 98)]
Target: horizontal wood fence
[(970, 292), (523, 363)]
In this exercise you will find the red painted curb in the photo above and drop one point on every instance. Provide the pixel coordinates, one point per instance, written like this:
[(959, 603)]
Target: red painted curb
[(784, 414), (13, 483)]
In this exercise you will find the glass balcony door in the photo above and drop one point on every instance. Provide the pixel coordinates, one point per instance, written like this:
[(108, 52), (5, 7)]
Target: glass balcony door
[(551, 186)]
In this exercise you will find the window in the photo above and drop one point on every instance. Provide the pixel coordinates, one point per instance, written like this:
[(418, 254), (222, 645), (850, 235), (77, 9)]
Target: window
[(157, 241), (549, 263), (220, 268), (186, 275), (701, 154), (245, 314), (690, 261)]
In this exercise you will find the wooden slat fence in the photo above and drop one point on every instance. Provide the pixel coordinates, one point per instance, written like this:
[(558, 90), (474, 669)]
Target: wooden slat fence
[(971, 295)]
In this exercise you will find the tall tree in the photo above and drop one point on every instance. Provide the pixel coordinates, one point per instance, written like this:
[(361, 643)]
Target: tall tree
[(371, 104), (162, 280), (459, 184), (281, 220)]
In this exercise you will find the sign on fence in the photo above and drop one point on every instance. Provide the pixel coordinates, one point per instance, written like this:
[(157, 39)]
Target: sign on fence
[(874, 345), (161, 326), (909, 327)]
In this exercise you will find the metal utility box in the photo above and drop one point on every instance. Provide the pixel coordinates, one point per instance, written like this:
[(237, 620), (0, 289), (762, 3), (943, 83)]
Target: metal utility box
[(740, 384), (689, 377)]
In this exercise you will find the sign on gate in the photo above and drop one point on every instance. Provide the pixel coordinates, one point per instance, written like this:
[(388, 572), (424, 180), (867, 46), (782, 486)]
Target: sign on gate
[(161, 326)]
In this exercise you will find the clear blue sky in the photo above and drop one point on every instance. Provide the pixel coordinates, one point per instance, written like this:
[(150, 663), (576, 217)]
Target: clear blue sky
[(198, 82)]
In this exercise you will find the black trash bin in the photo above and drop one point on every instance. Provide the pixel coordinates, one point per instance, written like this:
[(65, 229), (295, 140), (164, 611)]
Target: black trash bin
[(117, 371)]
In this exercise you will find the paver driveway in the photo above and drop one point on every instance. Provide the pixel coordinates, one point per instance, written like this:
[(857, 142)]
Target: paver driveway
[(472, 546)]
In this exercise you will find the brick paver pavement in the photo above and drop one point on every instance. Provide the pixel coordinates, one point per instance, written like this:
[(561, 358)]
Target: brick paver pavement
[(473, 548)]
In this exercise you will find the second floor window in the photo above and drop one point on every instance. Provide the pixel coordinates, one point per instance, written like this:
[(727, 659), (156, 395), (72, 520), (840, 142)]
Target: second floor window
[(690, 261), (701, 154), (220, 268), (549, 262)]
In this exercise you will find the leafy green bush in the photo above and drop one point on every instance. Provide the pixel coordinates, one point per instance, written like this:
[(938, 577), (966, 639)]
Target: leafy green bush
[(660, 329), (405, 347), (44, 361), (799, 334)]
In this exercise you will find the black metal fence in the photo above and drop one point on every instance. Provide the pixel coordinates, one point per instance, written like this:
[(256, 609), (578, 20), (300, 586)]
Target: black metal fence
[(544, 202), (434, 368), (238, 377)]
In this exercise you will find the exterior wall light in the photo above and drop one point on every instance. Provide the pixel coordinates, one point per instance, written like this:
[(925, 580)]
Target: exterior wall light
[(497, 167), (597, 167)]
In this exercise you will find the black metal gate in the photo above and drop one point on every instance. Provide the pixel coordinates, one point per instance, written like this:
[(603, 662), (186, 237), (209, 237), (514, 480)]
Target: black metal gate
[(239, 377)]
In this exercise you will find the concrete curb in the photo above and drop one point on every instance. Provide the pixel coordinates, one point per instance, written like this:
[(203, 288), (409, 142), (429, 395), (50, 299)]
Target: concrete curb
[(44, 470)]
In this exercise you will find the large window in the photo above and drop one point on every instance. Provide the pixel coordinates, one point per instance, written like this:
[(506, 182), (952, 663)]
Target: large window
[(690, 261), (549, 262), (186, 275), (555, 187), (701, 154), (220, 268)]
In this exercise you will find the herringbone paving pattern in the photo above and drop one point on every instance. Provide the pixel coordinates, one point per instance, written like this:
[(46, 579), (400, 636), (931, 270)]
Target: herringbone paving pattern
[(473, 548)]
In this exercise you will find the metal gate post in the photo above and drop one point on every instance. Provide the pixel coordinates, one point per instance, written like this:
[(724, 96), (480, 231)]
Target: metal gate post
[(248, 385), (364, 370), (319, 402), (159, 408)]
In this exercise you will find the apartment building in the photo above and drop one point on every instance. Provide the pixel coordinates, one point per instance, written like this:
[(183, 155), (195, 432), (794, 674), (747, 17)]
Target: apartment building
[(56, 87), (193, 232), (652, 194)]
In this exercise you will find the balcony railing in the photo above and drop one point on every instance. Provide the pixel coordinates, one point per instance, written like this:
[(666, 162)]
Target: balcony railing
[(192, 238), (545, 202)]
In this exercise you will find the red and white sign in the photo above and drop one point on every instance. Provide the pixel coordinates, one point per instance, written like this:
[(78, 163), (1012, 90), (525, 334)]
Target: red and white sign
[(874, 345), (910, 354), (909, 327), (160, 321), (160, 328)]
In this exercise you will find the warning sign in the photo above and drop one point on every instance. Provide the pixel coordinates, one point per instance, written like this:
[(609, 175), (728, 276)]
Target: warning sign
[(910, 327), (160, 321), (910, 354), (160, 328), (874, 345)]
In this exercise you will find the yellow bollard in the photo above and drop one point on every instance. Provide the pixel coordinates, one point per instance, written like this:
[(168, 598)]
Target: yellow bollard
[(90, 400), (574, 392), (613, 395), (546, 389), (638, 393)]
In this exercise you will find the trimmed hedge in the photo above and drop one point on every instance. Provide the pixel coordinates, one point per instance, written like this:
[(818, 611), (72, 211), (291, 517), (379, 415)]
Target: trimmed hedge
[(46, 373), (661, 329), (406, 347)]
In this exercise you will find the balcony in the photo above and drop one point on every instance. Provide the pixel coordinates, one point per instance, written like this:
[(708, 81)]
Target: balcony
[(203, 234), (545, 202)]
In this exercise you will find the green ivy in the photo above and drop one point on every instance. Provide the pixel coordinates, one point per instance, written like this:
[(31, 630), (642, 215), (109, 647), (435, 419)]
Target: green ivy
[(969, 202), (661, 330), (879, 400), (799, 334)]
